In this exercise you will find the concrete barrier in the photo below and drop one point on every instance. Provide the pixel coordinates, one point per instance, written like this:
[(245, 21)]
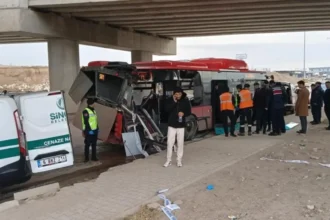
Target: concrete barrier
[(8, 205), (43, 191)]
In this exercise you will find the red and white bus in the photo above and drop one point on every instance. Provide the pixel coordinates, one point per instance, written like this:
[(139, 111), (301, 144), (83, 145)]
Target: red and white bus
[(202, 79)]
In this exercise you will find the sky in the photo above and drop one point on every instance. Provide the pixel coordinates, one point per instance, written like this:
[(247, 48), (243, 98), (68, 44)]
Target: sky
[(281, 51)]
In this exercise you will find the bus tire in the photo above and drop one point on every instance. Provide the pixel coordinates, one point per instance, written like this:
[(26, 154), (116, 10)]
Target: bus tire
[(191, 128)]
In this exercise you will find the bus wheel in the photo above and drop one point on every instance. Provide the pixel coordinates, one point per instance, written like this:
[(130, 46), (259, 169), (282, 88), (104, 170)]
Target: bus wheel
[(191, 128)]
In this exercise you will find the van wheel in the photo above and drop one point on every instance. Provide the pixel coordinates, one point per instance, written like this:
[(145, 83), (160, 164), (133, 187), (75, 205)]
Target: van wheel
[(191, 128)]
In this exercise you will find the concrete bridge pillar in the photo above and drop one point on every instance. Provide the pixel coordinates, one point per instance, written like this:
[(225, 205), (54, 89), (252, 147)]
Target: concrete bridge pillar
[(63, 61), (138, 55)]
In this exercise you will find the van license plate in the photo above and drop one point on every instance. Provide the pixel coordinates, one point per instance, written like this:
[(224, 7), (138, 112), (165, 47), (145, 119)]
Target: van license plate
[(51, 161)]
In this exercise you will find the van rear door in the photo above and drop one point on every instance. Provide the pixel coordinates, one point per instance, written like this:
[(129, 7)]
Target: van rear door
[(9, 140), (48, 138)]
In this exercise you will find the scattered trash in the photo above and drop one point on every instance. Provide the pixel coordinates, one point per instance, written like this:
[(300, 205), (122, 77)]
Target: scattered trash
[(324, 165), (314, 157), (287, 161), (168, 206), (231, 217), (162, 191), (303, 145), (290, 125), (168, 213), (210, 187), (311, 207), (173, 207)]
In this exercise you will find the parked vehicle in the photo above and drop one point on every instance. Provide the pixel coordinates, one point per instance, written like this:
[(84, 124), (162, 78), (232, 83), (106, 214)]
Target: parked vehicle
[(35, 135), (202, 79)]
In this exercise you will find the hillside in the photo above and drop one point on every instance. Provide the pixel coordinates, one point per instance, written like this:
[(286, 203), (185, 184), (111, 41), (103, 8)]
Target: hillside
[(24, 78), (36, 78)]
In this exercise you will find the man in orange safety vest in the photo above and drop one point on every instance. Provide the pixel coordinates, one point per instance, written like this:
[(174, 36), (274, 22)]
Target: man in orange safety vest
[(245, 103), (227, 106)]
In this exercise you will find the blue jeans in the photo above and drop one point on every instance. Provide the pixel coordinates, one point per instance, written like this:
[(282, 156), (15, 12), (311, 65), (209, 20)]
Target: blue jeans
[(303, 122)]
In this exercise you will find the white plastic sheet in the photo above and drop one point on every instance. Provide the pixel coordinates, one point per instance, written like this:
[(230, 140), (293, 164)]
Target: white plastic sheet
[(168, 207)]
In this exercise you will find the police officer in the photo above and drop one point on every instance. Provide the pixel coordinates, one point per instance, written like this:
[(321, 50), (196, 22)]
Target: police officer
[(245, 103), (277, 101), (90, 129), (227, 102)]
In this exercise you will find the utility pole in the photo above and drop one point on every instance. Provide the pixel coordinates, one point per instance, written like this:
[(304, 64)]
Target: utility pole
[(304, 54)]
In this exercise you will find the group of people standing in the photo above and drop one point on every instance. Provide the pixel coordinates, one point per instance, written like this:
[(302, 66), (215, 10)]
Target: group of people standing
[(319, 97), (267, 102)]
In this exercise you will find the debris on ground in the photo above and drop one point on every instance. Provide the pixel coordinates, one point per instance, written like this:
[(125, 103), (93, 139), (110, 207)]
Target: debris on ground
[(287, 161), (144, 213), (162, 191), (210, 187), (311, 207), (168, 207)]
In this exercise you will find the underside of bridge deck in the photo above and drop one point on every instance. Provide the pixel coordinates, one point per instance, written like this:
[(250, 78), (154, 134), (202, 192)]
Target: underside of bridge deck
[(183, 18)]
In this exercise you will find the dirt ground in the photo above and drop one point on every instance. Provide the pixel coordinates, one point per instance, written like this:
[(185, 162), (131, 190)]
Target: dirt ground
[(256, 189), (15, 78)]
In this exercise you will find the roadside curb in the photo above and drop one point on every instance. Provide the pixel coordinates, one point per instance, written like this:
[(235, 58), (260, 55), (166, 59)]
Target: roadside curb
[(178, 188), (8, 205), (42, 191)]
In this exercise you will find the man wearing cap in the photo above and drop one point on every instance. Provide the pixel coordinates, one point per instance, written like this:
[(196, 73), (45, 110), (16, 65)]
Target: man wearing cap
[(90, 129), (178, 108)]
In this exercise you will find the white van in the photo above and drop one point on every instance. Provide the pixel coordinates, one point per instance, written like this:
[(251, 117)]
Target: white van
[(35, 135)]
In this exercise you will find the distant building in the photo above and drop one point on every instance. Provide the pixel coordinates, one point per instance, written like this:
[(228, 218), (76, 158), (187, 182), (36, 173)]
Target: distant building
[(299, 74), (320, 70)]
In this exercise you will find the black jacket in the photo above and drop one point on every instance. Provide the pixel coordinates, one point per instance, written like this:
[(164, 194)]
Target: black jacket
[(317, 96), (173, 108), (260, 98), (277, 98), (326, 98)]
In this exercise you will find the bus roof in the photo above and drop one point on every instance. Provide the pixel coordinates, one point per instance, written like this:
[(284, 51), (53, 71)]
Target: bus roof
[(211, 64), (167, 64)]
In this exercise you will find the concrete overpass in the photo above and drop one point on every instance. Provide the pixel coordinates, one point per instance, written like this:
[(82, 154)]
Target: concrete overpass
[(145, 27)]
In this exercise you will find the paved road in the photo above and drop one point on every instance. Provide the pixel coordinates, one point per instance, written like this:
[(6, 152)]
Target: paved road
[(123, 188)]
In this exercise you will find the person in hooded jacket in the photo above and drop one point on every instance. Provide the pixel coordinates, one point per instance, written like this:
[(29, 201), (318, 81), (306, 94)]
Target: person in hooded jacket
[(178, 108)]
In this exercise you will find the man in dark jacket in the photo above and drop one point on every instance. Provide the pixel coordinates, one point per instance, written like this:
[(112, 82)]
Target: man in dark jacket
[(326, 99), (90, 129), (277, 102), (317, 103), (178, 108), (260, 107), (268, 117)]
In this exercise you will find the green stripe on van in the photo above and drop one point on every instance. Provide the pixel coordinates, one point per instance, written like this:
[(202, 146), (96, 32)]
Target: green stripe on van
[(11, 152), (48, 142), (8, 143)]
